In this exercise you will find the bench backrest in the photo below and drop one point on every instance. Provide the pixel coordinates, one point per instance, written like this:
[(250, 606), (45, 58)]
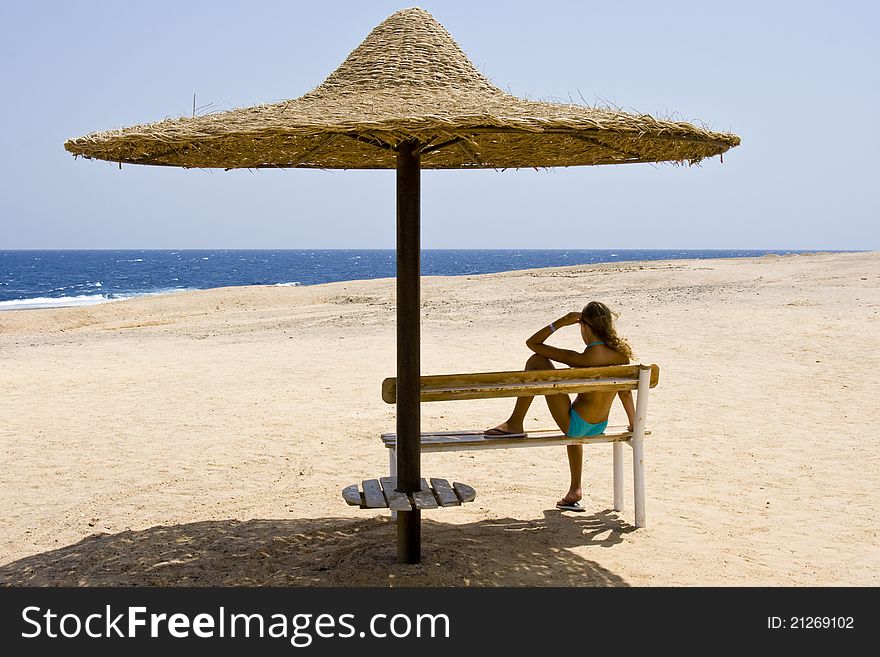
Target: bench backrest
[(487, 385)]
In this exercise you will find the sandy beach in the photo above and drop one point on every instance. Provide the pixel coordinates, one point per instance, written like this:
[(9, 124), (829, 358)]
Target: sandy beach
[(203, 438)]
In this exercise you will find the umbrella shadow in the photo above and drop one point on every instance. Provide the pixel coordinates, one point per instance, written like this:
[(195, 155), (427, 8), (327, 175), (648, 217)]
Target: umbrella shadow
[(332, 552)]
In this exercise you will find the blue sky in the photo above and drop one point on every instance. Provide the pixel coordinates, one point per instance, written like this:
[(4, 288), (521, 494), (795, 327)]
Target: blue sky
[(798, 81)]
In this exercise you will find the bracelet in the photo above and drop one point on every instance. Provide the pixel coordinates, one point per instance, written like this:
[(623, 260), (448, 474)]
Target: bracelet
[(552, 328)]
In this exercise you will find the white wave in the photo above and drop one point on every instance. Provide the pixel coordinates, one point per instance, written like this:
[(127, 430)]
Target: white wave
[(54, 302), (80, 300), (292, 284)]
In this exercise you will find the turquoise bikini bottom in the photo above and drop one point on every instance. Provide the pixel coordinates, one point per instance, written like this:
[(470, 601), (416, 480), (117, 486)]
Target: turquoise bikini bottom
[(578, 428)]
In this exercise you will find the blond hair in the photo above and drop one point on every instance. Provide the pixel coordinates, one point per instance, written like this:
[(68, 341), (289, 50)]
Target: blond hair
[(600, 319)]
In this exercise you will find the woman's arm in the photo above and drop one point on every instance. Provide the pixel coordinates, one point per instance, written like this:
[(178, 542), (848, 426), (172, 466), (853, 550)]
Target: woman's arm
[(626, 398), (566, 356)]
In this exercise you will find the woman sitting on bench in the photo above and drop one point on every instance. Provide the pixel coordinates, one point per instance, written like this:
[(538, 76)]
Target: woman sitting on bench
[(588, 415)]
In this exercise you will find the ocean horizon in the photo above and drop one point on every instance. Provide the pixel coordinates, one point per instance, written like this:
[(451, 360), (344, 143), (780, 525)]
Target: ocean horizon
[(32, 279)]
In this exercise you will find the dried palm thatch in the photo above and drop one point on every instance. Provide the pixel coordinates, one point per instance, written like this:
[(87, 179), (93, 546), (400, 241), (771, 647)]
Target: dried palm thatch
[(408, 81)]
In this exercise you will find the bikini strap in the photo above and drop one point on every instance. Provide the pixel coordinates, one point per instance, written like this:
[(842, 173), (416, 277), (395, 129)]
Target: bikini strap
[(593, 344)]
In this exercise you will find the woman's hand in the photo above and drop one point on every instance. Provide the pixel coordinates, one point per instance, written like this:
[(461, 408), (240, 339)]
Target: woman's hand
[(536, 342), (568, 320)]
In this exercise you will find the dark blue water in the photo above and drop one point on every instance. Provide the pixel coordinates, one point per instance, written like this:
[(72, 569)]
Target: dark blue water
[(39, 279)]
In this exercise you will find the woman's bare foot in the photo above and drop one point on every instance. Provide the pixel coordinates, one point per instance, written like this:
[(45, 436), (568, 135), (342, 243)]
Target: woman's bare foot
[(570, 498), (505, 429)]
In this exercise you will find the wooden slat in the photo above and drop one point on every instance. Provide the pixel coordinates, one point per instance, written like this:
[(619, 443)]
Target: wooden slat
[(424, 498), (532, 385), (495, 391), (353, 496), (376, 496), (484, 385), (397, 501), (373, 497), (525, 376), (435, 442), (464, 492), (444, 493), (391, 437), (462, 432)]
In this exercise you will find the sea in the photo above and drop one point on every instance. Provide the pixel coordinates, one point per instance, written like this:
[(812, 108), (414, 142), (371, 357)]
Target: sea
[(48, 279)]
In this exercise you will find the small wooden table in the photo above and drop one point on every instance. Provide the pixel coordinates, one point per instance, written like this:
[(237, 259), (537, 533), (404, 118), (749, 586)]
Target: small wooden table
[(381, 494)]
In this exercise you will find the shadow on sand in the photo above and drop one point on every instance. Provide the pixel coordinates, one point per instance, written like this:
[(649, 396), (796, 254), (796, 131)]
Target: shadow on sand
[(332, 552)]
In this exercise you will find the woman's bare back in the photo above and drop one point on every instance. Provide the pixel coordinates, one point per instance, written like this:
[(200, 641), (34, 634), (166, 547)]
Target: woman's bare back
[(594, 407)]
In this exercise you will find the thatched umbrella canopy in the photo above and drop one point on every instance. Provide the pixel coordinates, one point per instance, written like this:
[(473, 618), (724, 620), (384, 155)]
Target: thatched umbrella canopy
[(408, 80), (407, 98)]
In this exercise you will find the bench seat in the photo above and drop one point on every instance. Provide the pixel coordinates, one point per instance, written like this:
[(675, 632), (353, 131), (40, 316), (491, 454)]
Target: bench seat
[(452, 441)]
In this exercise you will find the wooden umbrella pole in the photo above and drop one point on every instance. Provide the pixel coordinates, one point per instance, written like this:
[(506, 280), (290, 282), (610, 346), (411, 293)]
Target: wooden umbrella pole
[(408, 339)]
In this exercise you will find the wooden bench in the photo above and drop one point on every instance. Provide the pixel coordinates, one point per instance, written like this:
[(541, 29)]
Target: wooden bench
[(489, 385)]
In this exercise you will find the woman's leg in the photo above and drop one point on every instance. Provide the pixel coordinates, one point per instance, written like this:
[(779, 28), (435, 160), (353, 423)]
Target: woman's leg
[(560, 409), (575, 466), (514, 423)]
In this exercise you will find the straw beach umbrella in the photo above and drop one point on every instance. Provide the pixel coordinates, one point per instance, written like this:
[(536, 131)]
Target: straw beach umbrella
[(407, 98)]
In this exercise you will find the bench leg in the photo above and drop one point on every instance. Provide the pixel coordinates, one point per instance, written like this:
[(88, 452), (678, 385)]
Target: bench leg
[(392, 470), (639, 478), (618, 476), (638, 444)]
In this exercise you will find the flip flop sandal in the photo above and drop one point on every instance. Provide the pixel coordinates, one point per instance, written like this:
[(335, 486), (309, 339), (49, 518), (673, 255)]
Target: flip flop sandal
[(500, 433)]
